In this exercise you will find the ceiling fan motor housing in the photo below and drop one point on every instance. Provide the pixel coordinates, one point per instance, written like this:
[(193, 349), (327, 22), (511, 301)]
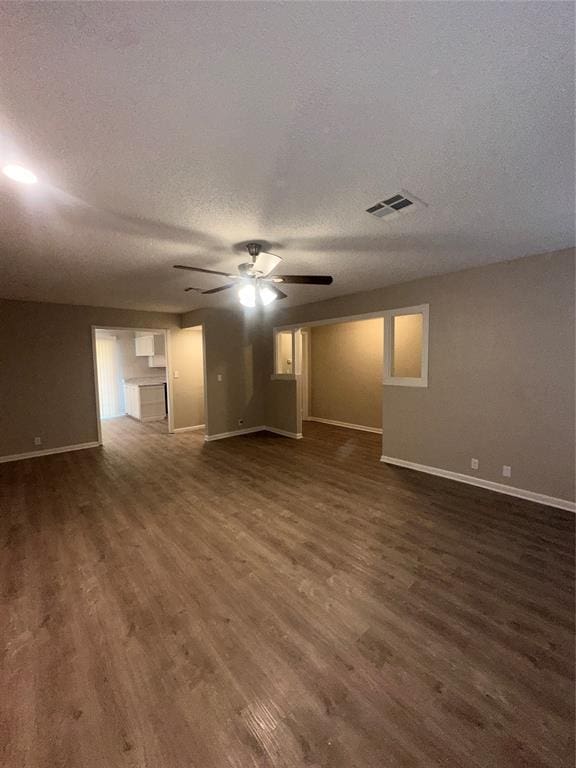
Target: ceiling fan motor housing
[(253, 249)]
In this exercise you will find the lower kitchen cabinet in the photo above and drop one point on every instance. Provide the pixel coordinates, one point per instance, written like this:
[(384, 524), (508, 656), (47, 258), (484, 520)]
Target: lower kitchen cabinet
[(145, 402)]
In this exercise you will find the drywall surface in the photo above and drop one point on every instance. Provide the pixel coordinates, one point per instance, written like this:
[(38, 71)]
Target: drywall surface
[(407, 346), (346, 370), (47, 372), (235, 367), (188, 387), (501, 372), (277, 415)]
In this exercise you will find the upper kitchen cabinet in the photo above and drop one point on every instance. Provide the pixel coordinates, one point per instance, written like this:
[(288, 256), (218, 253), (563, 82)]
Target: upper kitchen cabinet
[(153, 347), (145, 345)]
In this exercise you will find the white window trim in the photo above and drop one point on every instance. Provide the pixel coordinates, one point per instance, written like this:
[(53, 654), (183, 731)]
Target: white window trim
[(404, 381), (296, 346)]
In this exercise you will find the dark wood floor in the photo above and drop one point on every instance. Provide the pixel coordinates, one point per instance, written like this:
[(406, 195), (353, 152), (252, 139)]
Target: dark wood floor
[(261, 602)]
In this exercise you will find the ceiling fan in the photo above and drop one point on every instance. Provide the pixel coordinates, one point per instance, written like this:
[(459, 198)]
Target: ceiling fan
[(255, 280)]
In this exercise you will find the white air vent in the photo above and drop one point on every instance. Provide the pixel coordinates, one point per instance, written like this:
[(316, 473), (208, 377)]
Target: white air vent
[(395, 205)]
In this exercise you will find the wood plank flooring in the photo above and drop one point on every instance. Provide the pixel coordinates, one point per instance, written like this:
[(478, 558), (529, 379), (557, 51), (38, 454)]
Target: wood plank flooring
[(260, 602)]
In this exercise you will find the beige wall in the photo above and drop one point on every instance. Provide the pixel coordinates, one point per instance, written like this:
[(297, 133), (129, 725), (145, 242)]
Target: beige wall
[(407, 346), (188, 388), (501, 372), (47, 374), (284, 353), (346, 372)]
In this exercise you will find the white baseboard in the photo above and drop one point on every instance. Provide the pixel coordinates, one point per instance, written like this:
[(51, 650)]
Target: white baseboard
[(344, 424), (235, 433), (189, 429), (250, 430), (293, 435), (48, 452), (508, 490)]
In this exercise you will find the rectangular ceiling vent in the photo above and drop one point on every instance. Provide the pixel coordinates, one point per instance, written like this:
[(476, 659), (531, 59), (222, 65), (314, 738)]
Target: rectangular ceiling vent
[(395, 205)]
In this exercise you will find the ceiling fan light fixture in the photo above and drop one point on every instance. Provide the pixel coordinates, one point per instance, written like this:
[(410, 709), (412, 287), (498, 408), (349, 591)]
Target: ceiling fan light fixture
[(267, 295), (250, 294), (247, 295)]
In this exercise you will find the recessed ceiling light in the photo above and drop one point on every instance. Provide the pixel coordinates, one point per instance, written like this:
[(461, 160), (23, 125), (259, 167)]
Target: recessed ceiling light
[(17, 173)]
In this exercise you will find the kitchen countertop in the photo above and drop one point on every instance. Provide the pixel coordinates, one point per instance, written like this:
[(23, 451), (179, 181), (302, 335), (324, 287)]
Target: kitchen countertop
[(146, 381)]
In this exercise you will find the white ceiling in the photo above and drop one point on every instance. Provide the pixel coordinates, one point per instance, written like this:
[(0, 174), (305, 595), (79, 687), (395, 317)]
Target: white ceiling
[(170, 132)]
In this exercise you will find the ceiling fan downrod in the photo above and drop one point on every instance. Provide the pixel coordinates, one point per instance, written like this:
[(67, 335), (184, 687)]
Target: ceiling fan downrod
[(253, 249)]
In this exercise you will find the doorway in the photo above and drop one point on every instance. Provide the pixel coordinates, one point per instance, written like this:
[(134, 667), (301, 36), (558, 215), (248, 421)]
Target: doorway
[(341, 374), (132, 383), (188, 380)]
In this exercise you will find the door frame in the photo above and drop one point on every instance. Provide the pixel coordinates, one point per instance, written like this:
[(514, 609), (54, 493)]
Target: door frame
[(170, 395), (305, 393)]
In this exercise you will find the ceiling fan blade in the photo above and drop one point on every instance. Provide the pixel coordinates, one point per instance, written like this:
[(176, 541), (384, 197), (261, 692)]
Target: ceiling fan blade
[(306, 279), (279, 294), (265, 263), (220, 288), (199, 269)]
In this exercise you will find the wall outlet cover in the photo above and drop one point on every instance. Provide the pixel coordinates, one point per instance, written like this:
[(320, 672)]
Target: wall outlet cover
[(37, 441), (474, 463), (506, 471)]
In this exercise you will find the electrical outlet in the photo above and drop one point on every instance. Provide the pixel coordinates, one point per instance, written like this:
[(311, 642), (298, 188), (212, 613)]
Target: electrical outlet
[(176, 374), (506, 471), (37, 441), (474, 463), (240, 422), (219, 377)]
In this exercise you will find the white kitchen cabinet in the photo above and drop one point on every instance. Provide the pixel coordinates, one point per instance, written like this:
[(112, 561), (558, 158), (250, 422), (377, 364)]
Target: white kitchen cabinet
[(145, 402), (144, 345), (149, 344), (157, 361), (132, 400), (153, 347)]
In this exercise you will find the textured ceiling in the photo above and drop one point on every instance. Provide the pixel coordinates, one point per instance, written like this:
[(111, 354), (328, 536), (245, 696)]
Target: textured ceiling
[(171, 132)]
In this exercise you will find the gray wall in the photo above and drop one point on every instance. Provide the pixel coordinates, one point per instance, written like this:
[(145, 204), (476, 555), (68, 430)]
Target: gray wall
[(501, 372), (235, 351), (47, 373)]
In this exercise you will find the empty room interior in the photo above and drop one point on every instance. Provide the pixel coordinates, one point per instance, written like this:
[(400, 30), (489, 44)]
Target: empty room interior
[(287, 379)]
